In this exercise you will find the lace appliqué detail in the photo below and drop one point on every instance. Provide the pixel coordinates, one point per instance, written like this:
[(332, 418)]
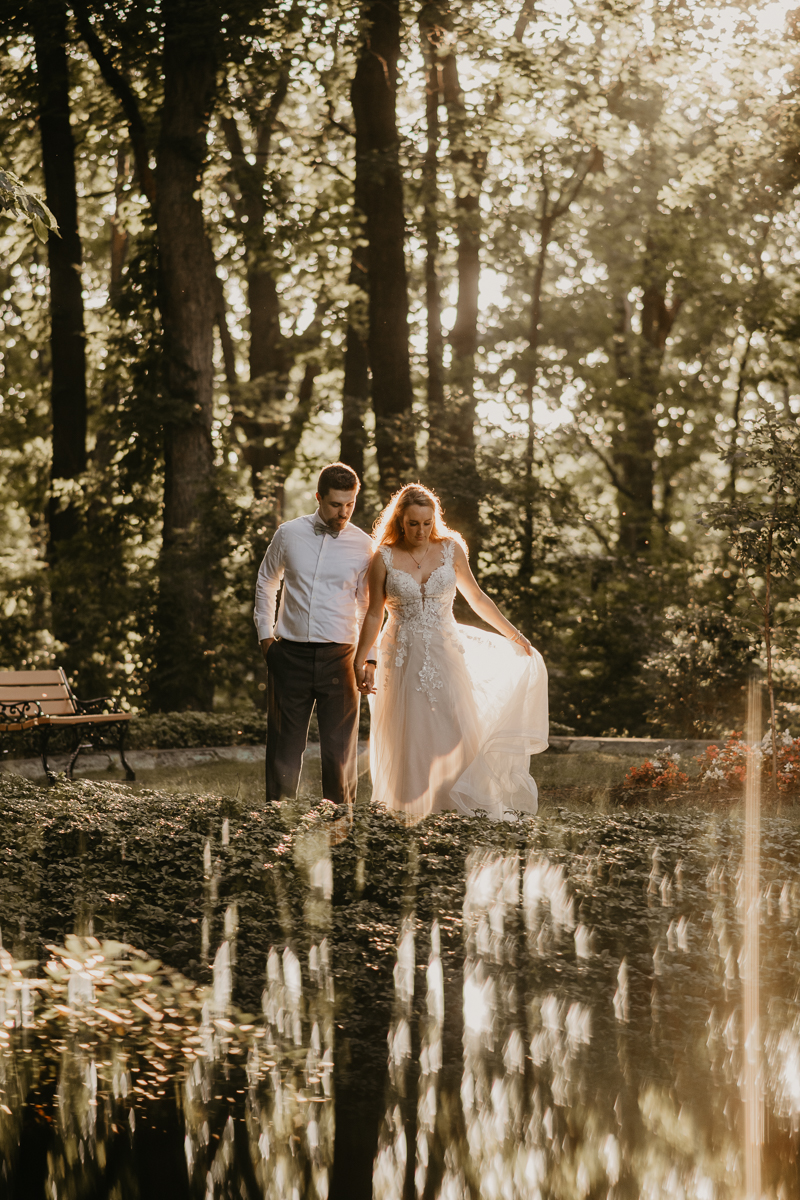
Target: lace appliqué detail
[(421, 611)]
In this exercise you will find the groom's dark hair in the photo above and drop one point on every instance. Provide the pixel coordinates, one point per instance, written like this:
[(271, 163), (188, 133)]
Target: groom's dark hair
[(337, 477)]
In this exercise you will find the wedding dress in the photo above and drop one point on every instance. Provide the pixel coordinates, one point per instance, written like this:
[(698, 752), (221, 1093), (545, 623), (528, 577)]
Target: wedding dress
[(457, 712)]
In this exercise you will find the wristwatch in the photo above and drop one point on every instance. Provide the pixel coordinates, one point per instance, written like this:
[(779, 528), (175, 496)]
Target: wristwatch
[(373, 662)]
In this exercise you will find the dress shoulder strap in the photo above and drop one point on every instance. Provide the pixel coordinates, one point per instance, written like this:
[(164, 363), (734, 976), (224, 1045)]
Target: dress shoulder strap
[(386, 555), (448, 550)]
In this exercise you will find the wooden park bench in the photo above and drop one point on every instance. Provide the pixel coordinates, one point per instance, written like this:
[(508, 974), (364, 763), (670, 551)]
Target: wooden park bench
[(44, 700)]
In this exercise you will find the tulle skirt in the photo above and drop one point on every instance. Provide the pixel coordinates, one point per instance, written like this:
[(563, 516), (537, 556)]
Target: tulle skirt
[(464, 741)]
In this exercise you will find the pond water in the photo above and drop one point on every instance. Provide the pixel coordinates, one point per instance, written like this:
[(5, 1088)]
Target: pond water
[(546, 1009)]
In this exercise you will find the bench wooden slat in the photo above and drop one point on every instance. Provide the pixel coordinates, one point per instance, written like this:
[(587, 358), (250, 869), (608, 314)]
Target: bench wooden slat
[(54, 704), (33, 692), (22, 678)]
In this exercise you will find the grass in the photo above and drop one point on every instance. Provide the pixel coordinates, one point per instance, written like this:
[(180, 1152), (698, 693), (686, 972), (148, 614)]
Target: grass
[(581, 782), (564, 780)]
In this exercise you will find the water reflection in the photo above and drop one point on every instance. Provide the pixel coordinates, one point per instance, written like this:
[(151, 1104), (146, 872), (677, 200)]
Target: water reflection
[(580, 1033), (392, 1159), (587, 1072)]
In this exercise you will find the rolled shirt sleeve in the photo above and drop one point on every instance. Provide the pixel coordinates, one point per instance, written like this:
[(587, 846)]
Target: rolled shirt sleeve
[(270, 574)]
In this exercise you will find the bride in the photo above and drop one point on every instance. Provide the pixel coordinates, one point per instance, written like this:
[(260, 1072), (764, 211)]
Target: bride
[(457, 712)]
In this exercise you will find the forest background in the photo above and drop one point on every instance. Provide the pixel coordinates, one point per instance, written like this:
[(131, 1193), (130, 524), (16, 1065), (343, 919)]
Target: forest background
[(541, 255)]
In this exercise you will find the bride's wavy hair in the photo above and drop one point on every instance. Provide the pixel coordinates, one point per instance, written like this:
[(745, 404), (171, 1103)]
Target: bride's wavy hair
[(388, 529)]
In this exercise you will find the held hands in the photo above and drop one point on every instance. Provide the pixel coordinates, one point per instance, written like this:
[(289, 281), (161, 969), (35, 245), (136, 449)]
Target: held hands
[(365, 678)]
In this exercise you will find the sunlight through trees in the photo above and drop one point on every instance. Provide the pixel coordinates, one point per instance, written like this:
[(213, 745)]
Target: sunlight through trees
[(541, 257)]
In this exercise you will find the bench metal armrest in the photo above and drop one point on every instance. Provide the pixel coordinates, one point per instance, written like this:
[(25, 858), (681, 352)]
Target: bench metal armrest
[(20, 710), (100, 705)]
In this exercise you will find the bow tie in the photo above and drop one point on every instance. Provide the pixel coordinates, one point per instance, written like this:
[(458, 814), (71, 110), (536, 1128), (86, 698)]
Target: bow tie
[(321, 529)]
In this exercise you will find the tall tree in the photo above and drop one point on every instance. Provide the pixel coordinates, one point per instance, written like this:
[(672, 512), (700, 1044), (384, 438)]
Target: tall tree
[(188, 299), (374, 99), (468, 164), (452, 411), (554, 201), (67, 336), (271, 431), (639, 361), (356, 382), (431, 28)]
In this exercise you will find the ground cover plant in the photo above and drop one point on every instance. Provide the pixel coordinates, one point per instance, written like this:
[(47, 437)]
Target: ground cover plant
[(596, 947), (723, 768), (663, 771)]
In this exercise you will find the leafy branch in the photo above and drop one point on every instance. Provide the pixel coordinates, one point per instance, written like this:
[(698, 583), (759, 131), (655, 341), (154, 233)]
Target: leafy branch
[(17, 200)]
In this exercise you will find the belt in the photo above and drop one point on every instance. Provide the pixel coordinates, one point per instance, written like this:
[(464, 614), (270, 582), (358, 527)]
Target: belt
[(293, 642)]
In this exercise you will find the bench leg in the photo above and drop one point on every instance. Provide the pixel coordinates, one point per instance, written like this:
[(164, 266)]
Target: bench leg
[(130, 774), (75, 753), (44, 739)]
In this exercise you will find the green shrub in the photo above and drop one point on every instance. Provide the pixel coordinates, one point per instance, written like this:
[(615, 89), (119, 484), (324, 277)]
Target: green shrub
[(183, 730), (176, 731)]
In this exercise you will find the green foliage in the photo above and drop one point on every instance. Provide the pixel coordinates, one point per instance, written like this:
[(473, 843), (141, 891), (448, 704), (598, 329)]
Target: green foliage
[(762, 523), (183, 730), (697, 680), (669, 317), (17, 200), (165, 731)]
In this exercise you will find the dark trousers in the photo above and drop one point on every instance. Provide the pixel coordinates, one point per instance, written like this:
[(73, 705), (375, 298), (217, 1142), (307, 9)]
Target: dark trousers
[(299, 675)]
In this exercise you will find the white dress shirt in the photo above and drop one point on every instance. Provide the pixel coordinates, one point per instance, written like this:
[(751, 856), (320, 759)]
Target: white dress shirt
[(325, 594)]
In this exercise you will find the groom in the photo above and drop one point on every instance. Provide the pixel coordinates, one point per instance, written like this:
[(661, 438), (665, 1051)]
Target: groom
[(323, 561)]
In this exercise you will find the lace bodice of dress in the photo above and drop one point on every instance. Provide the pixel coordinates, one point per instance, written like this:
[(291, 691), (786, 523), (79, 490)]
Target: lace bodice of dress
[(421, 610)]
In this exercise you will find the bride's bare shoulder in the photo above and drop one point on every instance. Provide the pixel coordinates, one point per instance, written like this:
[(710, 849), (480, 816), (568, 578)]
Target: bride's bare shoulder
[(458, 552)]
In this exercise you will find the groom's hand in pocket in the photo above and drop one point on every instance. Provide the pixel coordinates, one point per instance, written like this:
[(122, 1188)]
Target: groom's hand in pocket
[(265, 645)]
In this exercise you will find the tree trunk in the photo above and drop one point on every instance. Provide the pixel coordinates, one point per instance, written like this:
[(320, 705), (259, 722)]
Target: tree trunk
[(182, 678), (67, 337), (634, 453), (429, 27), (373, 97), (119, 234), (634, 456), (103, 452), (355, 390), (462, 485), (267, 353), (531, 372), (271, 439), (122, 89), (456, 472), (356, 384)]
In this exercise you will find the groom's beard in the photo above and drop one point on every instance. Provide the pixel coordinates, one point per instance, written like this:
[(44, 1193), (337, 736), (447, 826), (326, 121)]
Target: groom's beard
[(335, 523)]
